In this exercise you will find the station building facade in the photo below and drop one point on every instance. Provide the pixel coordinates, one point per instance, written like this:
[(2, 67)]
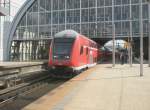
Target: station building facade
[(38, 20)]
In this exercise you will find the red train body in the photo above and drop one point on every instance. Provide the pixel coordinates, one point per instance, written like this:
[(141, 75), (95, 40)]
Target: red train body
[(73, 51)]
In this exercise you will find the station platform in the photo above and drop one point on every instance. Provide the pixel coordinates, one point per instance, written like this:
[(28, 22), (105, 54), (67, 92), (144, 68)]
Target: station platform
[(100, 88), (19, 68), (20, 64)]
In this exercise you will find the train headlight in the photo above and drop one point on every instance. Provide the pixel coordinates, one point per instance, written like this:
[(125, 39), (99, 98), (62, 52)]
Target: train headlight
[(67, 57), (53, 67), (55, 56)]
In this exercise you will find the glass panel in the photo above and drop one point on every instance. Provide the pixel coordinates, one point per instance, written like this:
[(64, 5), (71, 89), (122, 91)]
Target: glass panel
[(125, 12), (100, 14), (107, 30), (73, 4), (145, 13), (125, 28), (100, 3), (55, 4), (61, 27), (62, 17), (76, 16), (23, 21), (108, 13), (117, 13), (35, 7), (84, 16), (118, 28), (70, 15), (92, 3), (135, 12), (108, 2), (45, 18), (92, 30), (55, 17), (145, 27), (84, 29), (48, 5), (92, 15), (84, 3), (135, 27), (117, 2), (125, 1), (69, 4), (76, 3), (61, 4), (100, 29), (134, 1)]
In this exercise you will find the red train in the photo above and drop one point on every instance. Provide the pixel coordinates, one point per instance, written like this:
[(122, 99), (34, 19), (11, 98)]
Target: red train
[(72, 52)]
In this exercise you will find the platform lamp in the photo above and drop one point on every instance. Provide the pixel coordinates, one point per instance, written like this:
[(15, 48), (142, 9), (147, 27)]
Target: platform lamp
[(148, 32)]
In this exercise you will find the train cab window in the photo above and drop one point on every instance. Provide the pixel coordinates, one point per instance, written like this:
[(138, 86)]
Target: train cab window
[(81, 50), (62, 48)]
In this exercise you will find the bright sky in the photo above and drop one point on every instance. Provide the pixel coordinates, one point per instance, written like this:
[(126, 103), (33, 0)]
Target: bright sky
[(15, 6), (18, 2)]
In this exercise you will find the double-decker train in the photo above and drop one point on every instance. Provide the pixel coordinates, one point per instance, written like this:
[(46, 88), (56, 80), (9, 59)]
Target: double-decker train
[(72, 52)]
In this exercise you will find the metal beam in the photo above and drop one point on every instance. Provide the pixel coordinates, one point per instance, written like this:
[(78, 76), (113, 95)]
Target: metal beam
[(131, 37), (148, 32), (141, 38), (113, 35)]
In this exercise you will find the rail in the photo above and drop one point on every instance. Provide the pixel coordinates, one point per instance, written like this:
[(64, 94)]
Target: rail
[(9, 94)]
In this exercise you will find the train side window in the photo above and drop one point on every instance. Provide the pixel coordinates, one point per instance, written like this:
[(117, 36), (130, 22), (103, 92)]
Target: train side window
[(87, 51), (81, 50)]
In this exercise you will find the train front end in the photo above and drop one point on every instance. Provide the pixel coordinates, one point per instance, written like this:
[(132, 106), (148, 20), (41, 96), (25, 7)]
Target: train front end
[(60, 56)]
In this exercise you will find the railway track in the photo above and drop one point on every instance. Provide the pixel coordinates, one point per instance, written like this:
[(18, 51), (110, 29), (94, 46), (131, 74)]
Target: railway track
[(42, 82), (9, 94), (20, 83)]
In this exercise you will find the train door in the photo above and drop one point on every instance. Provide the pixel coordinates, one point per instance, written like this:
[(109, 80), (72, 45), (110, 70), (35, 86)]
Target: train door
[(90, 57)]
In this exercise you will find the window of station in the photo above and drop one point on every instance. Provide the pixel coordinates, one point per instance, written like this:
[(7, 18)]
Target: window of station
[(135, 12), (84, 16), (84, 3), (92, 3), (125, 1), (61, 4), (108, 2), (100, 3), (73, 4), (108, 14), (92, 14)]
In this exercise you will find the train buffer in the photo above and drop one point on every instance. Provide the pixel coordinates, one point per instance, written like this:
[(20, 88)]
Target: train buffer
[(100, 88)]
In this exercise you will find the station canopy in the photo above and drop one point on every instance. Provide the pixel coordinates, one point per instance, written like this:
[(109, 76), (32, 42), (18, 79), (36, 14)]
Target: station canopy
[(119, 44)]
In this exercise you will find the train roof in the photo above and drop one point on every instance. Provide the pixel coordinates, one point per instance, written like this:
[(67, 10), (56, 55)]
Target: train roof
[(66, 33), (70, 34)]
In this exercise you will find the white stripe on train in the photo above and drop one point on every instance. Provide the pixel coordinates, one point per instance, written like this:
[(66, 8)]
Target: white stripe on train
[(84, 66)]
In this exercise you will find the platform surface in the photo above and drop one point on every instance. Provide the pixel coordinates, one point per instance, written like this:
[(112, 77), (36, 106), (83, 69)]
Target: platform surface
[(100, 88)]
